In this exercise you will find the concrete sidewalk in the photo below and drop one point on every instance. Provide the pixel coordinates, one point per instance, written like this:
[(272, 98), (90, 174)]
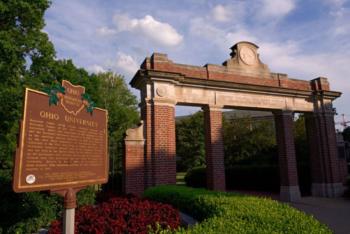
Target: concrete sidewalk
[(334, 212)]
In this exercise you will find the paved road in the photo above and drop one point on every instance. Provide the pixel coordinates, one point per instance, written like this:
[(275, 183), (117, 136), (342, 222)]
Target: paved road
[(335, 212)]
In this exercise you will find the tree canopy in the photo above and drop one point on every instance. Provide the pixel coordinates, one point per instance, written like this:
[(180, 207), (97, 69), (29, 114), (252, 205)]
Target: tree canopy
[(247, 141), (27, 59), (190, 148), (23, 47)]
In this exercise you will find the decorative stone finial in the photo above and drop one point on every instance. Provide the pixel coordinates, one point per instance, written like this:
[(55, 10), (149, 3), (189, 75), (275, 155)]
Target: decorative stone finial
[(245, 59), (135, 134)]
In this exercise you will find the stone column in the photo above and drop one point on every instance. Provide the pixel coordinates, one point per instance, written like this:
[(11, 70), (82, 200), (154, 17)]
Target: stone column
[(133, 161), (164, 143), (214, 148), (289, 188), (326, 178)]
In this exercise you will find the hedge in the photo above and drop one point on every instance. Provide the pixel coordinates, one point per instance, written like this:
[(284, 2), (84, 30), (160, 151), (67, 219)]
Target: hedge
[(250, 177), (220, 212)]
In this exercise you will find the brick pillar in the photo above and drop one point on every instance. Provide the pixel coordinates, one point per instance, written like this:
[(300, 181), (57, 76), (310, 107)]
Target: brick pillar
[(146, 116), (289, 188), (164, 143), (343, 164), (325, 175), (214, 149), (133, 162)]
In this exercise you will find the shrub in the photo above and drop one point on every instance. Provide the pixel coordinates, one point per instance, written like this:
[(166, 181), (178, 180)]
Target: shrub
[(253, 177), (234, 213), (250, 177), (24, 212), (122, 215), (27, 212), (114, 184), (196, 177)]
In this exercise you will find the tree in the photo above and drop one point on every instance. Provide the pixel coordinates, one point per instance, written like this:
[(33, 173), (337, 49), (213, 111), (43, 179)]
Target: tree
[(23, 47), (300, 139), (190, 148), (248, 141), (27, 59), (115, 96)]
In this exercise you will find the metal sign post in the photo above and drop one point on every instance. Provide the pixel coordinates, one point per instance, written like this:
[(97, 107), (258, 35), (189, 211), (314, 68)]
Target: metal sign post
[(70, 203)]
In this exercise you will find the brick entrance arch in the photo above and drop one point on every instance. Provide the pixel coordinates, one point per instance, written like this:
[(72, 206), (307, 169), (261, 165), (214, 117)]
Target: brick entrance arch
[(242, 81)]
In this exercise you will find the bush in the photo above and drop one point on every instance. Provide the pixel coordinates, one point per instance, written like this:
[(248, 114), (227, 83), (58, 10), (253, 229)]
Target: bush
[(234, 213), (253, 177), (196, 177), (122, 215), (114, 184), (250, 177), (27, 212)]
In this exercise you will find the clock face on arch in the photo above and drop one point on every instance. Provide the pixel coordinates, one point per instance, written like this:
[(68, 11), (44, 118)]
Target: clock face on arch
[(248, 56)]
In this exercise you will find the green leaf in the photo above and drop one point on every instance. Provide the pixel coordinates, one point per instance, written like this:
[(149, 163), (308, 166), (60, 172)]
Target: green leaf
[(53, 99)]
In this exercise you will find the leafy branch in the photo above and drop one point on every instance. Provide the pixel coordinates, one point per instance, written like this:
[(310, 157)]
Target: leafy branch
[(90, 105), (55, 91)]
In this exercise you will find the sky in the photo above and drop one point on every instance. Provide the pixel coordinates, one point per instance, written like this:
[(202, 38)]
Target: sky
[(303, 38)]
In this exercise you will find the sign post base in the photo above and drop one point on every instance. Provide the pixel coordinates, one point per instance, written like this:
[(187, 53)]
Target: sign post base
[(70, 203), (68, 221)]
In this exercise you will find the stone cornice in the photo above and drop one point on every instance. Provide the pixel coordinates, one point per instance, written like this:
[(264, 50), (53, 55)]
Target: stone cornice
[(151, 75)]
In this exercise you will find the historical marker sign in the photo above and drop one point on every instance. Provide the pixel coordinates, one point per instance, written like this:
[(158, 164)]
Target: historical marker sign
[(63, 145)]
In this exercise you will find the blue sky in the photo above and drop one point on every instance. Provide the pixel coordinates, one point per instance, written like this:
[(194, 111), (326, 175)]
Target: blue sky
[(303, 38)]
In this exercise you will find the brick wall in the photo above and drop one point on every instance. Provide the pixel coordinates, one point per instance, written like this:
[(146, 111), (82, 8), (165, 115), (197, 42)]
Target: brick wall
[(146, 116), (164, 144), (286, 149), (323, 148), (214, 149), (316, 161), (133, 164)]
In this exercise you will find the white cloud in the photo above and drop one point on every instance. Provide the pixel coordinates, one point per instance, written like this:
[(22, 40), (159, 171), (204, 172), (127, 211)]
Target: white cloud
[(221, 13), (239, 35), (96, 69), (276, 8), (202, 28), (106, 31), (340, 17), (156, 31), (124, 64), (335, 3), (318, 46), (289, 58)]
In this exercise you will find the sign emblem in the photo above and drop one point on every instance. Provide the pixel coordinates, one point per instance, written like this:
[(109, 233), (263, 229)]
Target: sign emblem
[(72, 101)]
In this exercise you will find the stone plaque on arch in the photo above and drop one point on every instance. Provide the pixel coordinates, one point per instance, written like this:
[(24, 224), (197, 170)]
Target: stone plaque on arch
[(62, 141)]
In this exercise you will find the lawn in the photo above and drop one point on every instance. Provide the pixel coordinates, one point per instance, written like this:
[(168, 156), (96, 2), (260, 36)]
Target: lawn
[(180, 178)]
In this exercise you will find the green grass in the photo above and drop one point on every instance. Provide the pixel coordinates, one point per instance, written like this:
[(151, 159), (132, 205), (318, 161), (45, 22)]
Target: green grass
[(220, 212), (180, 178)]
